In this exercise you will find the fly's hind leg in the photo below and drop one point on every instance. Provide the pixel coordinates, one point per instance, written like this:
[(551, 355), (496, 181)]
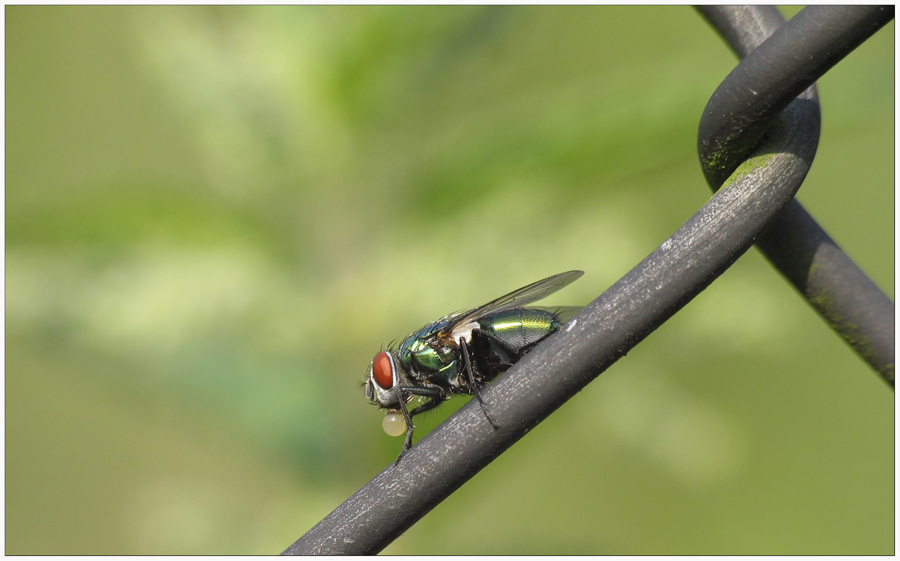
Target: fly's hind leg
[(471, 378)]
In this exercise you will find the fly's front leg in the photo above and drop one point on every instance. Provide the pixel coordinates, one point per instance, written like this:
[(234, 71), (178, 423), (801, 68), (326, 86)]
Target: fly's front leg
[(407, 442), (471, 378), (435, 396)]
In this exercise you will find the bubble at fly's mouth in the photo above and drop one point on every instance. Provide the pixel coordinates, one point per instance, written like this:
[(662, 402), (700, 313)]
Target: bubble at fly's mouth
[(394, 424)]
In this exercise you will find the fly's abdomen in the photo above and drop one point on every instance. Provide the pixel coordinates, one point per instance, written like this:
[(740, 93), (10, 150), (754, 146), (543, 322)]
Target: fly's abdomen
[(520, 328)]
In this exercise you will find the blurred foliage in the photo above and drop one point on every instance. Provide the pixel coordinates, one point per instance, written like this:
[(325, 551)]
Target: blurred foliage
[(215, 216)]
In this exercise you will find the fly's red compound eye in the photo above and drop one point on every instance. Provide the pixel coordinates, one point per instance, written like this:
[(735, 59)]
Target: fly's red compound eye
[(383, 371)]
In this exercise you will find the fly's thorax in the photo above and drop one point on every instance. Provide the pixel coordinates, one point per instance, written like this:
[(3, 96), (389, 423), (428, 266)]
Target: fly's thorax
[(423, 353), (520, 327), (430, 361)]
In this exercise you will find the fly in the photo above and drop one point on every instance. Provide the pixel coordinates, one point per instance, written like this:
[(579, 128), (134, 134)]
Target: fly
[(459, 353)]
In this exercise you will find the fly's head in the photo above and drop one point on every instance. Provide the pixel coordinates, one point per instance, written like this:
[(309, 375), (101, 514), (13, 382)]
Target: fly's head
[(384, 379)]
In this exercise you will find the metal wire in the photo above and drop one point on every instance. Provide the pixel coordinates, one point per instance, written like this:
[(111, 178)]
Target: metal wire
[(738, 115), (721, 231)]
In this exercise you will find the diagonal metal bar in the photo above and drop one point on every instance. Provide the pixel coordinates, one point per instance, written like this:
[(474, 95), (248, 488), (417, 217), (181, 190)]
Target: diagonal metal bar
[(600, 334), (737, 116)]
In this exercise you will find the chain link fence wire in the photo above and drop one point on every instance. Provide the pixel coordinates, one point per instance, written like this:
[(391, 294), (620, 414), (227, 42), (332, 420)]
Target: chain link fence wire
[(757, 140), (745, 106)]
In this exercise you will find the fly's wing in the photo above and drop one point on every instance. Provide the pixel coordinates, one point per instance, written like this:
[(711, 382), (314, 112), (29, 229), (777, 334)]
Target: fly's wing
[(517, 298)]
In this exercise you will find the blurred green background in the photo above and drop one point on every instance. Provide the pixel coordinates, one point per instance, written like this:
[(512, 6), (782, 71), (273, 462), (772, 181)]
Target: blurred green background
[(216, 216)]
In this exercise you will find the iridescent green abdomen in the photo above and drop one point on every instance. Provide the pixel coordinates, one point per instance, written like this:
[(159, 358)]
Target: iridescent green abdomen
[(520, 327)]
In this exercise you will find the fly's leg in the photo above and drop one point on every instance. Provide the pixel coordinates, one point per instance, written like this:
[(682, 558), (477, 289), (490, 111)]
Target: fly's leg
[(471, 378), (435, 396), (407, 442)]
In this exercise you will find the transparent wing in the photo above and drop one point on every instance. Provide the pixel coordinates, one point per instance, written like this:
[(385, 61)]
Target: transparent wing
[(525, 295)]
